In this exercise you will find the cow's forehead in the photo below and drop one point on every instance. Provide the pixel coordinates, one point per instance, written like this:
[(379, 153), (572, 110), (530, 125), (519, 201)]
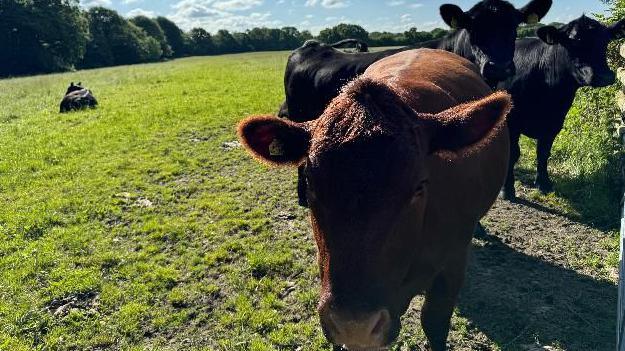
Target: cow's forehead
[(583, 27), (492, 8)]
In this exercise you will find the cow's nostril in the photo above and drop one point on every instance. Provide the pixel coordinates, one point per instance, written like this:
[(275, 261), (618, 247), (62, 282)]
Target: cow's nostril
[(382, 324)]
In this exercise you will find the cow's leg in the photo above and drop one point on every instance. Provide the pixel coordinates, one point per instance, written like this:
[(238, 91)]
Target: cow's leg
[(508, 192), (301, 187), (440, 300), (543, 151)]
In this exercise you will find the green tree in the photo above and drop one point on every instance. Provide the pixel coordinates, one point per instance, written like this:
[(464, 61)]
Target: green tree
[(343, 31), (154, 30), (116, 41), (41, 36), (225, 42), (201, 42), (617, 12), (413, 36), (438, 33), (175, 36)]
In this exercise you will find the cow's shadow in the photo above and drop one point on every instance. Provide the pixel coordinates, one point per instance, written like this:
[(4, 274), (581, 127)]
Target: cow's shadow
[(519, 300), (597, 207)]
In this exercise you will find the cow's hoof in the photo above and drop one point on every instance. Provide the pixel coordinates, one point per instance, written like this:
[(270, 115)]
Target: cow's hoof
[(303, 203), (544, 187), (508, 195), (480, 232)]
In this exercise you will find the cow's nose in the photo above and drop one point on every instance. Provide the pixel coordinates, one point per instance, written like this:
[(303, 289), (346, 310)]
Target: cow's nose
[(498, 72), (356, 330), (604, 79)]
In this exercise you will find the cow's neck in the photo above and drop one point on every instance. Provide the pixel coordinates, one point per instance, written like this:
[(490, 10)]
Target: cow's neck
[(458, 43), (557, 68)]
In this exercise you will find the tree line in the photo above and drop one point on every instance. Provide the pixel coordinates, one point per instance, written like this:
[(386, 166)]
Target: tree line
[(43, 36)]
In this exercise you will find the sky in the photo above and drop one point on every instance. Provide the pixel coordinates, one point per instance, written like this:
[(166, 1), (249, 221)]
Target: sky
[(314, 15)]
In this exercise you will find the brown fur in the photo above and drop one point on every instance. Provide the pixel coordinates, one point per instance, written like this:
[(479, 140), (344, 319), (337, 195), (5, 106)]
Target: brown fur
[(401, 167)]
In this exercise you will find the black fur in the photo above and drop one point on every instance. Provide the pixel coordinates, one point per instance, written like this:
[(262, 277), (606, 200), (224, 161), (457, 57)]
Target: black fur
[(77, 98), (550, 70)]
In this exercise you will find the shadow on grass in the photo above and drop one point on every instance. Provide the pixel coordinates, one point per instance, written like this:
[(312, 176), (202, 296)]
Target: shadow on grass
[(519, 300), (593, 200)]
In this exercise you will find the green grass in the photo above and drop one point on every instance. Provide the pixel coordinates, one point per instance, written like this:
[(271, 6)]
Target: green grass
[(585, 162), (134, 226)]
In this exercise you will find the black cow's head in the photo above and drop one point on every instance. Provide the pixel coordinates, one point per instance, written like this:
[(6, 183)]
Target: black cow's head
[(492, 29), (586, 41), (72, 88)]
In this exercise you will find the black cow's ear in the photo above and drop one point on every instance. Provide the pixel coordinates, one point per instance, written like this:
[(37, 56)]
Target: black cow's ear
[(463, 129), (71, 84), (79, 83), (549, 34), (617, 30), (275, 141), (534, 11), (455, 17)]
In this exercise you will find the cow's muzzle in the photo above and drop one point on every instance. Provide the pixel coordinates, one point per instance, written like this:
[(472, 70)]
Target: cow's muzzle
[(494, 73), (356, 331), (603, 79)]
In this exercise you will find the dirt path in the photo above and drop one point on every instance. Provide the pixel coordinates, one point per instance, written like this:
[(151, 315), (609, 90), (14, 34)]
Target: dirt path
[(539, 278)]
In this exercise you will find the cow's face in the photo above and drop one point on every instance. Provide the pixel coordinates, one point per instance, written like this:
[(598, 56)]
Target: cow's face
[(586, 41), (492, 30), (74, 87), (365, 160)]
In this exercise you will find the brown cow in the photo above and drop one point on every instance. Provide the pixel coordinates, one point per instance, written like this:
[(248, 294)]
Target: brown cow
[(401, 166)]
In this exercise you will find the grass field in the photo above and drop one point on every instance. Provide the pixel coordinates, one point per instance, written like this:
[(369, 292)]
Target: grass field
[(140, 225)]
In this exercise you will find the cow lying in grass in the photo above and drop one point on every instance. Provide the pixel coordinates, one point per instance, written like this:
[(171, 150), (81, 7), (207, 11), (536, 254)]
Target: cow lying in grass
[(401, 167), (77, 98), (550, 70), (485, 35)]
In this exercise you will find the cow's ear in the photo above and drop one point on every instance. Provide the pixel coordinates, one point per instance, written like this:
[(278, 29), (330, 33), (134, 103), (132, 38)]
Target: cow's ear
[(455, 17), (549, 34), (275, 141), (467, 127), (617, 30), (71, 84), (534, 11), (79, 83)]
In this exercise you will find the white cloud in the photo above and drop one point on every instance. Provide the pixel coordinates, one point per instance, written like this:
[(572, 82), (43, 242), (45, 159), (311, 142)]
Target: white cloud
[(236, 5), (396, 3), (127, 2), (329, 4), (93, 3), (205, 13), (140, 12)]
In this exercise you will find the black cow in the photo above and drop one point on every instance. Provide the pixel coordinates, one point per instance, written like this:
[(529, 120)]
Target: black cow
[(485, 35), (549, 72), (359, 45), (77, 98)]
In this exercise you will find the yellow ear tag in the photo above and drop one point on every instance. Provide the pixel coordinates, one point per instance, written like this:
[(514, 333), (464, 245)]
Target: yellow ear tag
[(532, 19), (454, 23), (276, 148)]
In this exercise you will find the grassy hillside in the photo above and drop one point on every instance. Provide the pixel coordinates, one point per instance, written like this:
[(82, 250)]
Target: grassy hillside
[(142, 225)]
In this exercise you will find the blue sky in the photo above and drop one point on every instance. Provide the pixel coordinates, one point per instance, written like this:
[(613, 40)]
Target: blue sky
[(314, 15)]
